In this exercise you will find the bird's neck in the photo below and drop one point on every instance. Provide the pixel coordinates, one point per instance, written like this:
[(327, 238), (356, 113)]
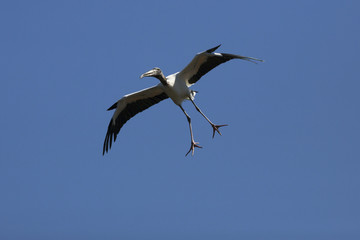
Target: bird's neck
[(162, 79)]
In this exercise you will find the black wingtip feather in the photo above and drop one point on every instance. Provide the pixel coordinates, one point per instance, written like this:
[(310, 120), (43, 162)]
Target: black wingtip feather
[(112, 107), (213, 49), (107, 138)]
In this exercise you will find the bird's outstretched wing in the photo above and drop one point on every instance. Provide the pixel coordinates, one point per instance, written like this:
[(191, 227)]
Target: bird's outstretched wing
[(129, 106), (205, 61)]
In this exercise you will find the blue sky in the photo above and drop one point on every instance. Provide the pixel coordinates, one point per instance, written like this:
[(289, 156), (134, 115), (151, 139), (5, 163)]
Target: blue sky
[(286, 167)]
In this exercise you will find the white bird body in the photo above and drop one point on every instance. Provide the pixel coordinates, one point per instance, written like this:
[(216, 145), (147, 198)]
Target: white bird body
[(177, 89), (174, 86)]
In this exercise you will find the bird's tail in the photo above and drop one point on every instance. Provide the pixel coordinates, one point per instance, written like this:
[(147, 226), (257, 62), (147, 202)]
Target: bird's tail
[(193, 93)]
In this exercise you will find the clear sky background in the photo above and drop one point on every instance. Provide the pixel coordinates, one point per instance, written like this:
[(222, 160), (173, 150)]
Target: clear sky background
[(286, 167)]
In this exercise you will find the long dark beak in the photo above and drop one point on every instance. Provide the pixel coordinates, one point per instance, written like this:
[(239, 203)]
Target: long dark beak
[(148, 74)]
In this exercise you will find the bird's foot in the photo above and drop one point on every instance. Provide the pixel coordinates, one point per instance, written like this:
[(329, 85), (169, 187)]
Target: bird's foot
[(216, 128), (192, 148)]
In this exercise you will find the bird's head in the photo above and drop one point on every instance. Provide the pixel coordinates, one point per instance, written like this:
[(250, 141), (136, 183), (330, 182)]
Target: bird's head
[(155, 72)]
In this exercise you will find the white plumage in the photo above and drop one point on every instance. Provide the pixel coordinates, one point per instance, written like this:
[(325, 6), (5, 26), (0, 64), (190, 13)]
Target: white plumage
[(175, 86)]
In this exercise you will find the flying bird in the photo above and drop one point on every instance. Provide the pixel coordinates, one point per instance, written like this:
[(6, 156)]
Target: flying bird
[(176, 87)]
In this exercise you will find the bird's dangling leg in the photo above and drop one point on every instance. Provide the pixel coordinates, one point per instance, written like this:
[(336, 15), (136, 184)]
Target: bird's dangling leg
[(214, 126), (193, 143)]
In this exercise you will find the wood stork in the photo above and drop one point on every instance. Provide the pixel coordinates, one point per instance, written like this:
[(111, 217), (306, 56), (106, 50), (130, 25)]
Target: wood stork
[(175, 86)]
